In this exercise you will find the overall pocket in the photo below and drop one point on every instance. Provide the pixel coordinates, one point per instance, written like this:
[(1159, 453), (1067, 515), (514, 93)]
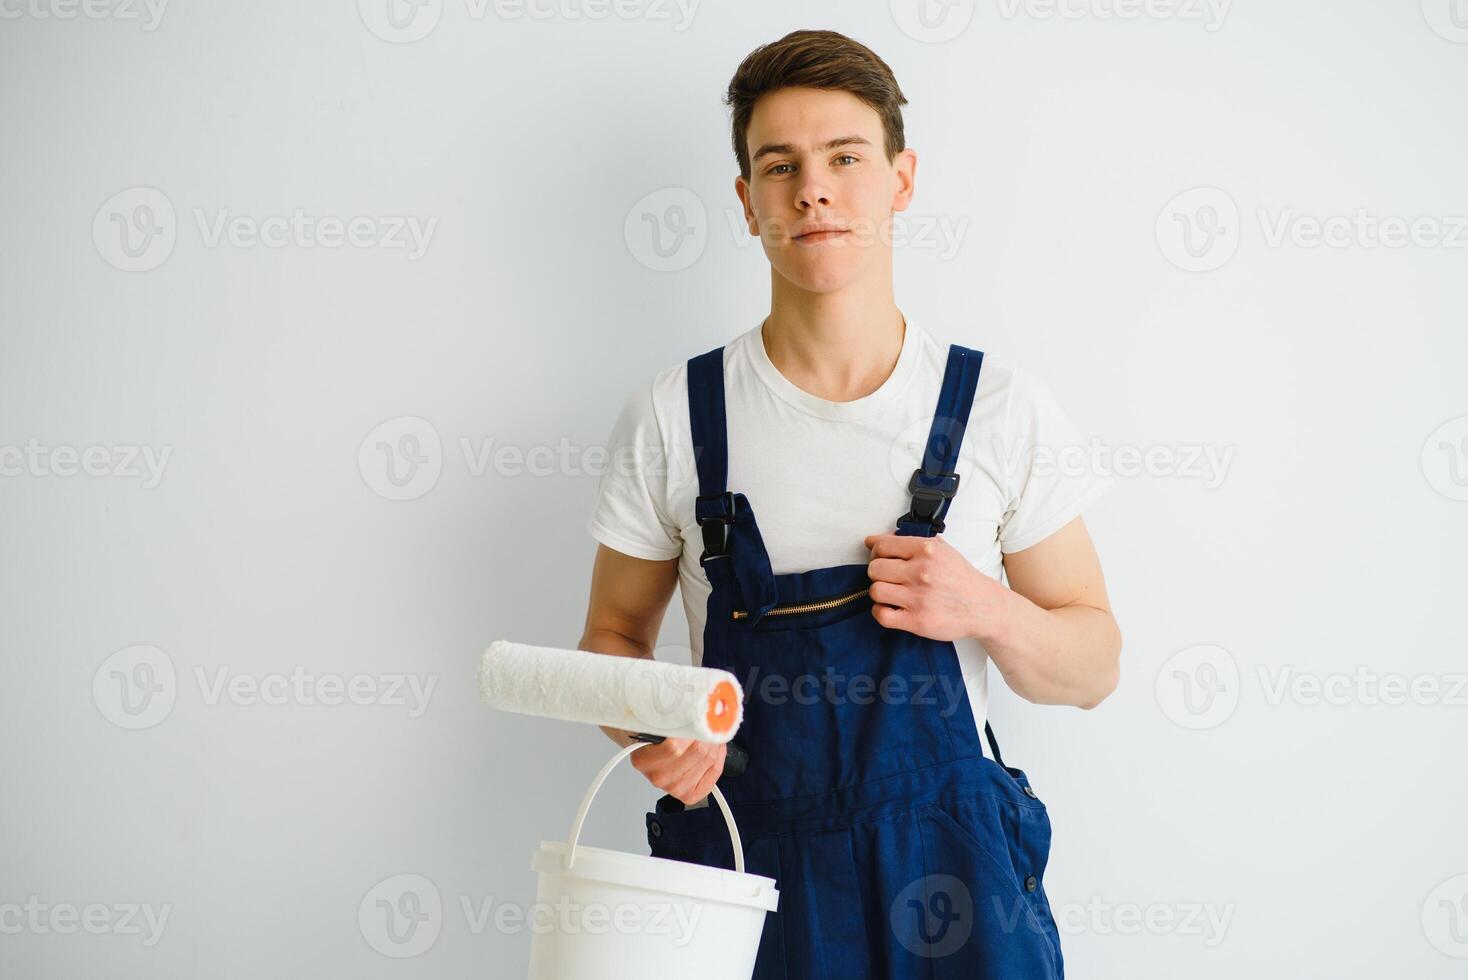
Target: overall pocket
[(990, 896)]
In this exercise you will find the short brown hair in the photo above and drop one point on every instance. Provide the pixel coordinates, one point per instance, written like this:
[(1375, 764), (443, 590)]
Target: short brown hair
[(815, 59)]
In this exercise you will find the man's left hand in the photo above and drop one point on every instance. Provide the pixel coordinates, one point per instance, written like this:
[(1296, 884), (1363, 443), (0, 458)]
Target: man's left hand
[(924, 586)]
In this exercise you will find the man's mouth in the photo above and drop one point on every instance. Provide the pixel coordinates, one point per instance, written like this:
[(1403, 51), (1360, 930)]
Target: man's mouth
[(810, 238)]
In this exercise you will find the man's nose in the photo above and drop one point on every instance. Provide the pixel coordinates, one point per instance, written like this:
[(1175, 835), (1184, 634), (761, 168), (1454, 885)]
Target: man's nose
[(812, 194)]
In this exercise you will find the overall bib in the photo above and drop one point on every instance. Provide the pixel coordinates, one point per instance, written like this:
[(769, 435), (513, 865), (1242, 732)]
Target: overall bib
[(901, 852)]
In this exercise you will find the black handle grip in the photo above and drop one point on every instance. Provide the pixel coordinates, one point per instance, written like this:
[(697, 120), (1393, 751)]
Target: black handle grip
[(736, 757)]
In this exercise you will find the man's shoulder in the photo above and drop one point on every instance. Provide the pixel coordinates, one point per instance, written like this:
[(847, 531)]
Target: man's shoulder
[(999, 377), (667, 389), (660, 399)]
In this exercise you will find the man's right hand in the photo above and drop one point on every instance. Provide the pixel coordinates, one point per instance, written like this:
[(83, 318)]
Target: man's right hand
[(684, 768)]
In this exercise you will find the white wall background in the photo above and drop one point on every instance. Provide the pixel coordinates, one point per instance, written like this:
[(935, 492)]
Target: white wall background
[(1217, 817)]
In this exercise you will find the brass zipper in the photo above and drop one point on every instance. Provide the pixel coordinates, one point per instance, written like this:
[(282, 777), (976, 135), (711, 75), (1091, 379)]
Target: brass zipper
[(818, 606)]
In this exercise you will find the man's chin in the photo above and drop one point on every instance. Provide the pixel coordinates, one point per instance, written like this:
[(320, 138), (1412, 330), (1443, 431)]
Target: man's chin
[(821, 276)]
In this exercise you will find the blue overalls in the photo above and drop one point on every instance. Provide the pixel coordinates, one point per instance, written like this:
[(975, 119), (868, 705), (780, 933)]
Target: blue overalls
[(901, 852)]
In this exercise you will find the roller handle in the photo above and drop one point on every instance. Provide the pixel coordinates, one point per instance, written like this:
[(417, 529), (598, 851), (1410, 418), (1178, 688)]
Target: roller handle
[(736, 758)]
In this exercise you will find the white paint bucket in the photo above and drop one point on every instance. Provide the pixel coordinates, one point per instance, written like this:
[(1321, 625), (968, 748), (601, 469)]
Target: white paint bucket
[(610, 915)]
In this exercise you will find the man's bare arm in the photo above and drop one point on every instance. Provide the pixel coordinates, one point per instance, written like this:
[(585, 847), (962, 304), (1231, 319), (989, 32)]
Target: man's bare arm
[(1051, 633), (1059, 642), (628, 599)]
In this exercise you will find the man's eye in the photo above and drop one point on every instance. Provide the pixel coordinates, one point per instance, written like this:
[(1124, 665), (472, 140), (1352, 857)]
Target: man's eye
[(846, 156), (777, 166)]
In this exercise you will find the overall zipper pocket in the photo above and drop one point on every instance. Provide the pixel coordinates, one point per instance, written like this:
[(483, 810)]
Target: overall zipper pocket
[(819, 605)]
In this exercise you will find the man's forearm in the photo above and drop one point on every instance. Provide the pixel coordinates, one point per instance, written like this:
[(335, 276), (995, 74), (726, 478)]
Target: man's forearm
[(1067, 655)]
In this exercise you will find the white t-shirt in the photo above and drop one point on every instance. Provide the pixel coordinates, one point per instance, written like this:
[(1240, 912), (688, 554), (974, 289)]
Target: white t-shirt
[(821, 475)]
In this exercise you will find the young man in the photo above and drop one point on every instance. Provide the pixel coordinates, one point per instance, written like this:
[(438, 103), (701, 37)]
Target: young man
[(862, 607)]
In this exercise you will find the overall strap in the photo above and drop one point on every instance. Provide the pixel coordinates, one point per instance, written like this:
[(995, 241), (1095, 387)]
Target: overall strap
[(714, 506), (993, 744), (934, 483)]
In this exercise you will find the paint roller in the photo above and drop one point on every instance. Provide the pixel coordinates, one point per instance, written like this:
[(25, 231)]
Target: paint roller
[(650, 699)]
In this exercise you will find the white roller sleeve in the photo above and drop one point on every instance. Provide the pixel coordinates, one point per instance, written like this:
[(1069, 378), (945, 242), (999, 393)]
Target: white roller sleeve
[(631, 693)]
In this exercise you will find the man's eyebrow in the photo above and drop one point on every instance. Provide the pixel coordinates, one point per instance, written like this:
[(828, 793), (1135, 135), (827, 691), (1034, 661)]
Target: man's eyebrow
[(769, 148)]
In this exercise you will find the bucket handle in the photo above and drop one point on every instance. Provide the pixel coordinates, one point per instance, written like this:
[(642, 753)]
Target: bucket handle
[(596, 785)]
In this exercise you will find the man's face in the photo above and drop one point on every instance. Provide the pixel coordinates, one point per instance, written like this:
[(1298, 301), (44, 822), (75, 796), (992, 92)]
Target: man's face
[(798, 181)]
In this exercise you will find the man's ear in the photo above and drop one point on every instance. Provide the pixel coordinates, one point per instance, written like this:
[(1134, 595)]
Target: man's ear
[(751, 223), (904, 166)]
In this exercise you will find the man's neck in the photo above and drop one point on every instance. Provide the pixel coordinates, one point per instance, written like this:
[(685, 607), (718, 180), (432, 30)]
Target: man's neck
[(837, 348)]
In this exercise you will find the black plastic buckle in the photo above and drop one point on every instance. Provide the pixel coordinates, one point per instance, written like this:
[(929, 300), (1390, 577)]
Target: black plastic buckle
[(928, 493), (714, 521)]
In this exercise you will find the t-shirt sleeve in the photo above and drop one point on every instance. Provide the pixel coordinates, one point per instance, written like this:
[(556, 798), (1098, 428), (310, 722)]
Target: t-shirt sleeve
[(1052, 476), (631, 510)]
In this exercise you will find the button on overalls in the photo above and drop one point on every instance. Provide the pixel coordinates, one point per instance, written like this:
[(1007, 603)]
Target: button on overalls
[(901, 852)]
